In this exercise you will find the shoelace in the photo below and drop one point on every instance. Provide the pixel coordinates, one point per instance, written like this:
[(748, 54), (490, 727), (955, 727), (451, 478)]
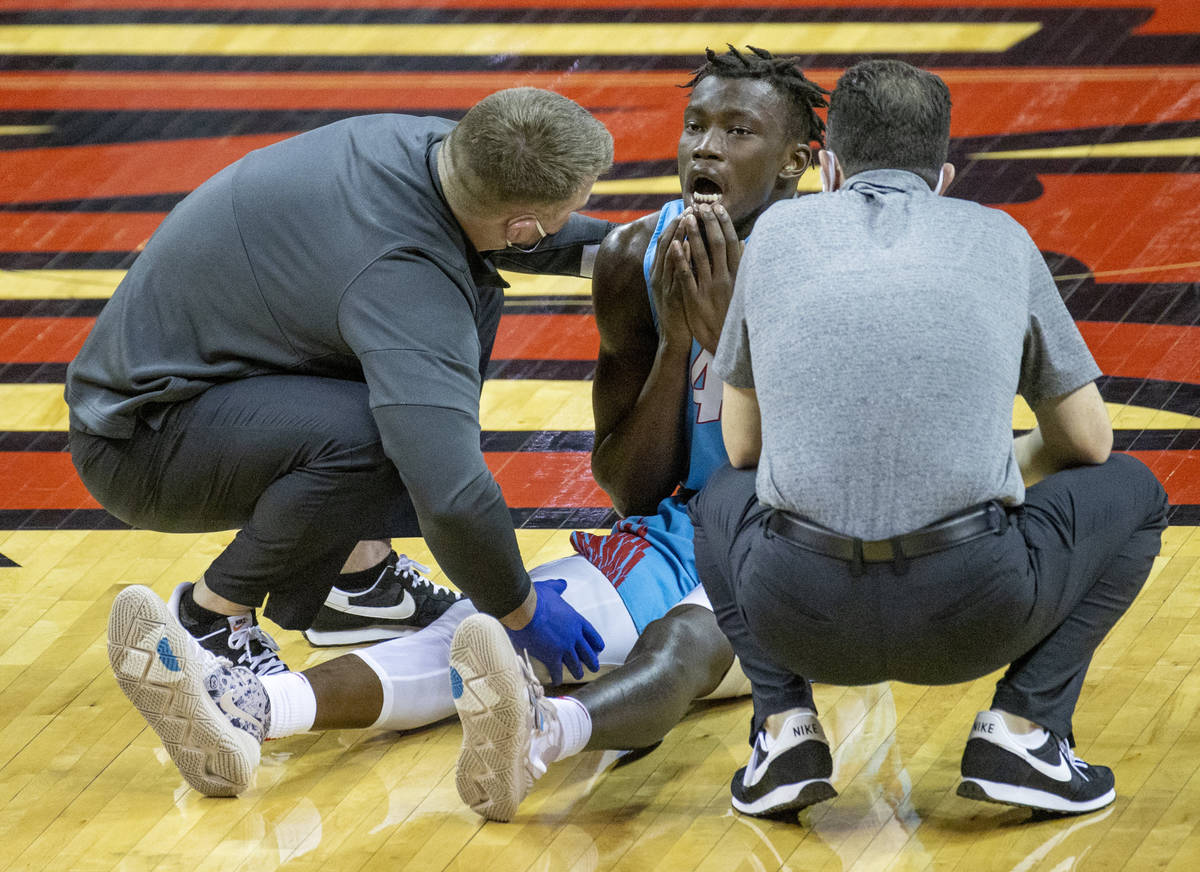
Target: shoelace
[(415, 573), (534, 767), (1068, 754), (265, 662)]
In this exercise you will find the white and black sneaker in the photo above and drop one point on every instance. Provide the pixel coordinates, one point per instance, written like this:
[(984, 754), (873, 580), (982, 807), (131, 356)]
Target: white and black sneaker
[(997, 767), (401, 601), (210, 716), (238, 639), (787, 773)]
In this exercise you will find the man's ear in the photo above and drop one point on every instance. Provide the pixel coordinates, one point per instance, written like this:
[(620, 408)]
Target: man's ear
[(945, 178), (799, 160), (832, 176)]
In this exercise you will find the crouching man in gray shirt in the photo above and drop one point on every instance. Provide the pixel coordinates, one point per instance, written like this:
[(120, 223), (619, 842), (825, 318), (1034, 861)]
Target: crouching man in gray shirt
[(298, 354), (875, 340)]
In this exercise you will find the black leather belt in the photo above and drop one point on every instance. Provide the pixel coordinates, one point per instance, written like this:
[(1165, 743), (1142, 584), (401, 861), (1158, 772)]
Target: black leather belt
[(955, 530)]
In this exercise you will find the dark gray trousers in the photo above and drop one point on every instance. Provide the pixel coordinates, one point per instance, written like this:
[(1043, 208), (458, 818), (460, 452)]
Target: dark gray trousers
[(1038, 596), (293, 462)]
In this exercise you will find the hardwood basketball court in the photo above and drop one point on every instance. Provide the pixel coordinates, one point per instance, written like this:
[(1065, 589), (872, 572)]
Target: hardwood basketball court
[(1081, 118)]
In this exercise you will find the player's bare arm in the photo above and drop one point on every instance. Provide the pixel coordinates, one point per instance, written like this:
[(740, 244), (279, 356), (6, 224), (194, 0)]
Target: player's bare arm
[(640, 385)]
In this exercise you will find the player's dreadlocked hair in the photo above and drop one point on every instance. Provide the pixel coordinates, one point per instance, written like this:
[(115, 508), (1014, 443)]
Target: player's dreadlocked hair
[(783, 74)]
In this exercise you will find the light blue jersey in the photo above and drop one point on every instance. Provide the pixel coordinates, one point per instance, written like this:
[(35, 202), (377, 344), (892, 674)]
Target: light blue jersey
[(649, 558)]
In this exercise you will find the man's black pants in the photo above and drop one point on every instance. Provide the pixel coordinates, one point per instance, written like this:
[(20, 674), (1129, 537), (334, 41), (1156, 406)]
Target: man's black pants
[(293, 462), (1039, 594)]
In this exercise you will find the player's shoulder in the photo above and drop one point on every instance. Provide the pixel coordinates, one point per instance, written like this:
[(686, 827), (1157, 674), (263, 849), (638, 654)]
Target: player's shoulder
[(622, 253), (628, 242)]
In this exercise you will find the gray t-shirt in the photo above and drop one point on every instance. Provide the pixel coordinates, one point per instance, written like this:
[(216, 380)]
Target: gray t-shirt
[(886, 331), (333, 253)]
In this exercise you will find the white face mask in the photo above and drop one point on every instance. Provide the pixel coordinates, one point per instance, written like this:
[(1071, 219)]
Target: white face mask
[(941, 186)]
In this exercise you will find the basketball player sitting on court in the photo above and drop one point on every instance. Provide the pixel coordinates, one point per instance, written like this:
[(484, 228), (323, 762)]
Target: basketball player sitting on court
[(745, 142)]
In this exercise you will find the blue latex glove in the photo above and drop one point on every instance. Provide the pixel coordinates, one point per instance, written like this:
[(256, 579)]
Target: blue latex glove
[(558, 634)]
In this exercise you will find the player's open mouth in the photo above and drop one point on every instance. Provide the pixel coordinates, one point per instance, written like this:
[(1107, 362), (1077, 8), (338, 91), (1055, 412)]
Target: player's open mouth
[(706, 191)]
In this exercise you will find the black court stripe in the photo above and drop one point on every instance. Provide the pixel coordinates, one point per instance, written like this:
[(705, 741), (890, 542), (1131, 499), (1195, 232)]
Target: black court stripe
[(490, 440), (545, 304), (583, 440), (528, 519), (98, 519), (508, 370)]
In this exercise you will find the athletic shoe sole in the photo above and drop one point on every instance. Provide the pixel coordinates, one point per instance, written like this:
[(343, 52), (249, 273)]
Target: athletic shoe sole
[(1026, 797), (787, 799), (492, 699), (161, 669)]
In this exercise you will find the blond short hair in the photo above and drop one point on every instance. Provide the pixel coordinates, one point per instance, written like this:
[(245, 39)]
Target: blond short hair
[(527, 145)]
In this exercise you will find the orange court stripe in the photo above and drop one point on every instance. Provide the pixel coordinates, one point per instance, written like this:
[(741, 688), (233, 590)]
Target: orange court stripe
[(520, 337), (77, 231), (1178, 471), (47, 480), (123, 170), (1119, 221), (42, 340), (546, 337), (635, 105), (1167, 352), (1170, 16), (41, 480)]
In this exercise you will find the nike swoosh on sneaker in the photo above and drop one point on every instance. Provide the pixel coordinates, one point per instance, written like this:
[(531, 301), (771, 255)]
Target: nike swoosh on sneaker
[(339, 601), (1060, 771), (233, 710)]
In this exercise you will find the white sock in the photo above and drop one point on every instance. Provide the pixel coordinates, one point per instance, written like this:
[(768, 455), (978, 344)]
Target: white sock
[(1019, 729), (293, 704), (569, 733)]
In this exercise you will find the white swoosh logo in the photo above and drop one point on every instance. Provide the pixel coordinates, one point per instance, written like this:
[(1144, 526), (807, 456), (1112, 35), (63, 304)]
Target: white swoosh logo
[(340, 602), (1060, 771), (231, 709)]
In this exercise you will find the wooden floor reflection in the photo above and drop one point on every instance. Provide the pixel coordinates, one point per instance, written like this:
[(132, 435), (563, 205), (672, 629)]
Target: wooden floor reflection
[(86, 787)]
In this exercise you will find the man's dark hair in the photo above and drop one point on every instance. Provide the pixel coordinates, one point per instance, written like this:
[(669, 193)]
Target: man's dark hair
[(886, 114), (783, 74)]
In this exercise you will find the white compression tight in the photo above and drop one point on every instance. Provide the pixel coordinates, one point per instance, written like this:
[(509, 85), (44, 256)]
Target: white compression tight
[(415, 670)]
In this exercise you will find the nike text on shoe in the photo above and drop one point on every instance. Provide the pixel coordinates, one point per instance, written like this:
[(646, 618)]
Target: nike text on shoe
[(401, 601), (998, 768), (210, 717), (240, 639), (502, 709), (787, 773)]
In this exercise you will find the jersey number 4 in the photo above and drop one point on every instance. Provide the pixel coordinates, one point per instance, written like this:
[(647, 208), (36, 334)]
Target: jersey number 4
[(707, 389)]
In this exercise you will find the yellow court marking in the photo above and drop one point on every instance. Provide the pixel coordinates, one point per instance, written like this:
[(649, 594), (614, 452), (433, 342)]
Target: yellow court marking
[(528, 404), (525, 404), (173, 557), (533, 404), (507, 39), (536, 286), (1134, 270), (72, 284), (1123, 417), (58, 284), (810, 181), (24, 129), (1187, 146)]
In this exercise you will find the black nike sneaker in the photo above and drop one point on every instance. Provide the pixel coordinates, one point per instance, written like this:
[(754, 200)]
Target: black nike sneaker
[(238, 639), (787, 773), (998, 768), (401, 601)]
